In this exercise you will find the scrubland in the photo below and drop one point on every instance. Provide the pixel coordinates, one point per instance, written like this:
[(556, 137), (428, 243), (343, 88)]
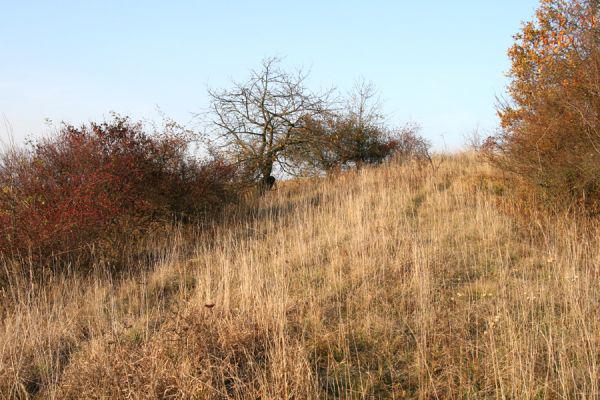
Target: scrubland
[(398, 281)]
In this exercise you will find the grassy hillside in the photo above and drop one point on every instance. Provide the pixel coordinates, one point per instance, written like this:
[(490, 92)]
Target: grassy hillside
[(395, 282)]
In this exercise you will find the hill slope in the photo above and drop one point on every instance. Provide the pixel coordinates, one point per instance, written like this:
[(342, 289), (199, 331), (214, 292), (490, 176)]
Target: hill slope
[(391, 282)]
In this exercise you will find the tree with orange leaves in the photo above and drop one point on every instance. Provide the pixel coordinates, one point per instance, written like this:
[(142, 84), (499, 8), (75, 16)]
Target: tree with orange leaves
[(551, 125)]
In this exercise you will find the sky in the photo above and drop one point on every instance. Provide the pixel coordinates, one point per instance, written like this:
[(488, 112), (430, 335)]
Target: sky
[(441, 64)]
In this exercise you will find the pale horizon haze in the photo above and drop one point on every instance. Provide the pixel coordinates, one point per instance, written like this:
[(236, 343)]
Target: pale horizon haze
[(437, 63)]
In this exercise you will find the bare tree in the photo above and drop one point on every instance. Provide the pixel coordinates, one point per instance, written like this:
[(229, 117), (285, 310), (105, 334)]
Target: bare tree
[(362, 128), (364, 107), (256, 121), (352, 136)]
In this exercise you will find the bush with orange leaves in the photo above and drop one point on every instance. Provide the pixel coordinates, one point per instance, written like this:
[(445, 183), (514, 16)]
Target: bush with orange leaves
[(95, 183), (551, 124)]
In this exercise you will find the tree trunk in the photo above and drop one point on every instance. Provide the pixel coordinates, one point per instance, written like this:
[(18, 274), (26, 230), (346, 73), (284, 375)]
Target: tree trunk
[(266, 180)]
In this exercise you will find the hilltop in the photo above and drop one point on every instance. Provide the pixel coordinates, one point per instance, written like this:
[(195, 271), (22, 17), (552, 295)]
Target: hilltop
[(398, 281)]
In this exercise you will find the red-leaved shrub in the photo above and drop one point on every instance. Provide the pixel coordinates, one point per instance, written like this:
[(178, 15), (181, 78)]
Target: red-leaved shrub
[(88, 183)]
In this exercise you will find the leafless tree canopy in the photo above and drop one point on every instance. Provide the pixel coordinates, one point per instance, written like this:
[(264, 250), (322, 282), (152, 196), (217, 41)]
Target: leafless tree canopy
[(364, 106), (256, 120)]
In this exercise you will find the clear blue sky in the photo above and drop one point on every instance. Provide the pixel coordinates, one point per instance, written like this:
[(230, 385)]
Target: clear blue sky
[(439, 63)]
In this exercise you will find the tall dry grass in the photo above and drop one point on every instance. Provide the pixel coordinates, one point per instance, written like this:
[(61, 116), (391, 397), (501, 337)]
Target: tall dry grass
[(392, 282)]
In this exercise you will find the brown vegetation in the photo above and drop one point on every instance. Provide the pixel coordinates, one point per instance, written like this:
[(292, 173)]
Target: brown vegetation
[(255, 122), (272, 124), (551, 125), (94, 187), (389, 282), (354, 136)]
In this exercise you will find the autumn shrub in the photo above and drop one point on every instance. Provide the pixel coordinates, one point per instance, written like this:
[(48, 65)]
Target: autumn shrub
[(358, 144), (99, 184), (353, 135), (551, 123), (340, 143), (406, 144)]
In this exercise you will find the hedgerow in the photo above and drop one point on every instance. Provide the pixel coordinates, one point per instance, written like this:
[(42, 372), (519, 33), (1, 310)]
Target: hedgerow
[(102, 182)]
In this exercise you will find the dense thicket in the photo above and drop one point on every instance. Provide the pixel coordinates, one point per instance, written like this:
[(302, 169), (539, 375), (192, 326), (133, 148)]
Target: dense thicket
[(94, 184), (551, 124), (341, 142)]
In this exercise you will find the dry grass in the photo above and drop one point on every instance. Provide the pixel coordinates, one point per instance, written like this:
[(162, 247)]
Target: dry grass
[(392, 282)]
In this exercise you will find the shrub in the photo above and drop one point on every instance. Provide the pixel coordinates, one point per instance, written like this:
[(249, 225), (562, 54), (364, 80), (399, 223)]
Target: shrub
[(551, 125), (352, 137), (358, 144), (93, 183), (406, 144), (339, 143)]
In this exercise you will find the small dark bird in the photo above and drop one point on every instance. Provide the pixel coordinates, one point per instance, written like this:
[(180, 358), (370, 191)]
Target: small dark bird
[(209, 305)]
